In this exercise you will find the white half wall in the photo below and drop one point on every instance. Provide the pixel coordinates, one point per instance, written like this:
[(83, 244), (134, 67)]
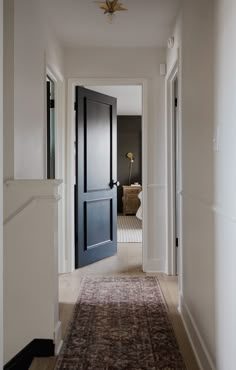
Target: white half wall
[(31, 308), (1, 184), (136, 64)]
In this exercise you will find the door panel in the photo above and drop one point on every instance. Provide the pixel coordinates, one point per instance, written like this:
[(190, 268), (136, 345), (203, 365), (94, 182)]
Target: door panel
[(95, 195), (98, 222), (98, 145)]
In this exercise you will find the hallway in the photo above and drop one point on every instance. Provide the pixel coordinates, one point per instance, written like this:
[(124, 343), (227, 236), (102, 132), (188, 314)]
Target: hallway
[(148, 45), (127, 262)]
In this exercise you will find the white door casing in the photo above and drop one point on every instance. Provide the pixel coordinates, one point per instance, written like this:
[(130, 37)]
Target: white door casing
[(1, 184), (173, 191), (59, 156), (70, 159)]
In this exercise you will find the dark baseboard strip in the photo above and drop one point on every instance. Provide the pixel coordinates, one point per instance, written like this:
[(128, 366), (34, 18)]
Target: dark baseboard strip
[(36, 348)]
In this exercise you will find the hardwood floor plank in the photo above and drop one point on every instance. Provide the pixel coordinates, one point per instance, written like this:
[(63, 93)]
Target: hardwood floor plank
[(43, 363)]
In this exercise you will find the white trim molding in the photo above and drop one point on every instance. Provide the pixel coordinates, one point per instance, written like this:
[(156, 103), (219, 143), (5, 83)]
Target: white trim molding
[(57, 338), (224, 213), (20, 193), (158, 186), (209, 205), (60, 133), (155, 265), (1, 184), (70, 175), (170, 165), (52, 198), (199, 347), (33, 182)]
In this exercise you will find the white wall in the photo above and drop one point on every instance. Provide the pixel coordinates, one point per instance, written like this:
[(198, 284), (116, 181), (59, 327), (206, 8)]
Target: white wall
[(129, 98), (174, 53), (198, 290), (208, 299), (29, 47), (29, 69), (225, 183), (1, 182), (35, 47), (36, 51), (8, 99), (136, 63)]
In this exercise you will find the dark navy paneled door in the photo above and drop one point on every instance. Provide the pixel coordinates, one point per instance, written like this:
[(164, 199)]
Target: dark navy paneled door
[(96, 171)]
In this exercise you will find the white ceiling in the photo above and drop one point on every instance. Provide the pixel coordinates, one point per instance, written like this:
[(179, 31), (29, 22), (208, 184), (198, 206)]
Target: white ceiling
[(80, 23), (129, 98)]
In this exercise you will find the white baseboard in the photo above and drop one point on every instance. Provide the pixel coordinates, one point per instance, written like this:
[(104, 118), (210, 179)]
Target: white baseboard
[(203, 357), (58, 338), (68, 267), (154, 265)]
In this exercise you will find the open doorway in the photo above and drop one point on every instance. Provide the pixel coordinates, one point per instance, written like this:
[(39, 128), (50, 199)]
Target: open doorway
[(129, 162), (129, 173)]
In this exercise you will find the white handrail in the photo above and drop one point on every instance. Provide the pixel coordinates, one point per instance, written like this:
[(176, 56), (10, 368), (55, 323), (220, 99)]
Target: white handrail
[(54, 198)]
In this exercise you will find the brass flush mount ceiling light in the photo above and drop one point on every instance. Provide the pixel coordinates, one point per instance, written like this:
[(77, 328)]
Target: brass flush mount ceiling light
[(110, 7)]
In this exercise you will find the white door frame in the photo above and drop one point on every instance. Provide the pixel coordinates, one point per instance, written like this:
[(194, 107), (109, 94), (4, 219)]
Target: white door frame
[(59, 114), (70, 158), (170, 157), (1, 184), (59, 97)]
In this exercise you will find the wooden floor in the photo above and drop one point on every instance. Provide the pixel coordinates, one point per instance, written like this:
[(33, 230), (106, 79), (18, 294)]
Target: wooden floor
[(127, 262)]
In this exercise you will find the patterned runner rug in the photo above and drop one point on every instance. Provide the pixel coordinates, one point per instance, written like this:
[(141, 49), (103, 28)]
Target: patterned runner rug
[(129, 229), (120, 323)]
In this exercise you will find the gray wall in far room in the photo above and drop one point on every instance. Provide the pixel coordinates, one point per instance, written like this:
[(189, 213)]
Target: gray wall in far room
[(129, 139)]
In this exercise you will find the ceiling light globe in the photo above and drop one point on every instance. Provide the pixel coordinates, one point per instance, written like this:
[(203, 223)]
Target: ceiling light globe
[(111, 18)]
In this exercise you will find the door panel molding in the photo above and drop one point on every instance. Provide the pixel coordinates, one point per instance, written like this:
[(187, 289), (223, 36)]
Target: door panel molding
[(88, 152), (87, 223)]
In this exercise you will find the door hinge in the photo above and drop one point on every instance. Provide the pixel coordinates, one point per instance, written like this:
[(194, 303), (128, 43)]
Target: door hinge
[(75, 106), (52, 103), (176, 102), (176, 242)]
